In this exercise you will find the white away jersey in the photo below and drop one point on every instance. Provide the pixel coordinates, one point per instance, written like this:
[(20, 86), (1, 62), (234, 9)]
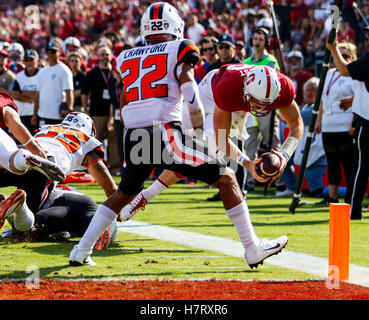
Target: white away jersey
[(67, 145), (150, 84)]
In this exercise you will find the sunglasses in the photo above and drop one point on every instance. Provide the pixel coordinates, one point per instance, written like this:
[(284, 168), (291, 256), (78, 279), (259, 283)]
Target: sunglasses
[(208, 49), (345, 56), (50, 51), (28, 59), (224, 47)]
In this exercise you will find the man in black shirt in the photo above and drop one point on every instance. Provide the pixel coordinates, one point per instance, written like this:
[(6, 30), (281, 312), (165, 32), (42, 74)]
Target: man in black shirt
[(97, 88), (227, 52), (74, 62)]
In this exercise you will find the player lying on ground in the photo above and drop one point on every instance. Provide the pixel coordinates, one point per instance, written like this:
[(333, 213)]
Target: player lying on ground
[(72, 145), (16, 164), (156, 78), (66, 214)]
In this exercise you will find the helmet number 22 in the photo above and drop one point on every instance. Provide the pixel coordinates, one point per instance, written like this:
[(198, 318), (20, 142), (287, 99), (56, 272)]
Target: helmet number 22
[(156, 25), (132, 68)]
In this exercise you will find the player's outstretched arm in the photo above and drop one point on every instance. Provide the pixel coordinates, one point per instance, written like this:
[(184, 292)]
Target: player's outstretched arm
[(339, 62), (21, 133), (222, 124), (100, 172), (292, 116)]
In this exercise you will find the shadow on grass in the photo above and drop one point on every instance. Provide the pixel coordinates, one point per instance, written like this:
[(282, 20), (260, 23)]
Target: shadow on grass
[(259, 224), (190, 191), (114, 249), (290, 223), (78, 273), (174, 225)]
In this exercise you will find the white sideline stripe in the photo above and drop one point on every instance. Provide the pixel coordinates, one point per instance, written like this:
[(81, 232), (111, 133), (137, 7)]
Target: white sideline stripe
[(286, 259)]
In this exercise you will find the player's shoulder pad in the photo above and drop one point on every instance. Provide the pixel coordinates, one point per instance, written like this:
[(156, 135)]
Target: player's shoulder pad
[(188, 52), (93, 144), (287, 88)]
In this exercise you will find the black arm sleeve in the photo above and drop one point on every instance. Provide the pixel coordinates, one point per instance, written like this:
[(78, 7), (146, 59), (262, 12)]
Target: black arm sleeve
[(359, 69), (188, 52)]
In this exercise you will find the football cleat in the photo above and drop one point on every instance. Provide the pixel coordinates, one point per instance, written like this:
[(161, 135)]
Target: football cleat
[(107, 237), (132, 208), (11, 204), (266, 248), (79, 258), (46, 167)]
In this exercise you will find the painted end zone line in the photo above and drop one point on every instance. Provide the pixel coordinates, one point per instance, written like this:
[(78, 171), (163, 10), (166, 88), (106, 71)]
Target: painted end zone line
[(286, 259)]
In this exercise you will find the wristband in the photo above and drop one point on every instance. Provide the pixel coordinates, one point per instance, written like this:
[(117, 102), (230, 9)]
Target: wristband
[(241, 158), (289, 147), (24, 144)]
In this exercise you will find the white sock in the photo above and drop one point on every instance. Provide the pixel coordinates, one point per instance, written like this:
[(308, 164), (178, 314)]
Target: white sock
[(102, 219), (24, 218), (19, 160), (152, 191), (240, 217)]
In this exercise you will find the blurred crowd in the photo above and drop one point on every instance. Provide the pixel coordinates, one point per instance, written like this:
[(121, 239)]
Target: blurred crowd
[(304, 24), (81, 28)]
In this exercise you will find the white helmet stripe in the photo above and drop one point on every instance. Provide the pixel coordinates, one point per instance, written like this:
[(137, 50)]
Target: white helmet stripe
[(268, 82)]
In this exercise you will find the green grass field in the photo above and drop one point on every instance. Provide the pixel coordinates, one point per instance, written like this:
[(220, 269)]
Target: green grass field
[(185, 208)]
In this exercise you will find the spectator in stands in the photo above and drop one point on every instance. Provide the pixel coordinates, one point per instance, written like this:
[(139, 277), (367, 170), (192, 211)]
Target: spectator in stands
[(259, 42), (25, 87), (345, 32), (15, 58), (71, 44), (118, 123), (226, 50), (208, 49), (74, 63), (54, 100), (295, 64), (194, 28), (249, 23), (6, 76), (309, 57), (259, 128), (96, 89), (227, 55), (336, 124), (319, 57), (317, 163), (357, 70), (240, 50)]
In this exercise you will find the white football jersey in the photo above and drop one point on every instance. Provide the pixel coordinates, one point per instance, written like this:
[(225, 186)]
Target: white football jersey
[(150, 83), (67, 145)]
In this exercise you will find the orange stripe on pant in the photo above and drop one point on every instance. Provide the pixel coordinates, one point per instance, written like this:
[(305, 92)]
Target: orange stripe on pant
[(176, 148)]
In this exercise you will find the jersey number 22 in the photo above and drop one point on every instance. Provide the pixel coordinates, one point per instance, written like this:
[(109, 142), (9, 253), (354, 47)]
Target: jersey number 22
[(146, 90)]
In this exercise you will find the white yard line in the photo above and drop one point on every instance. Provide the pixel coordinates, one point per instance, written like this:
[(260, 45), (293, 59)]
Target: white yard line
[(286, 259)]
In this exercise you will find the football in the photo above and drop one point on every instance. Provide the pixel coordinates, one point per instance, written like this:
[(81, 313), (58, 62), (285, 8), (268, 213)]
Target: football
[(269, 165)]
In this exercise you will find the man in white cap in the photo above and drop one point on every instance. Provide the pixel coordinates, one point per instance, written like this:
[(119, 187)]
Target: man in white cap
[(295, 63)]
